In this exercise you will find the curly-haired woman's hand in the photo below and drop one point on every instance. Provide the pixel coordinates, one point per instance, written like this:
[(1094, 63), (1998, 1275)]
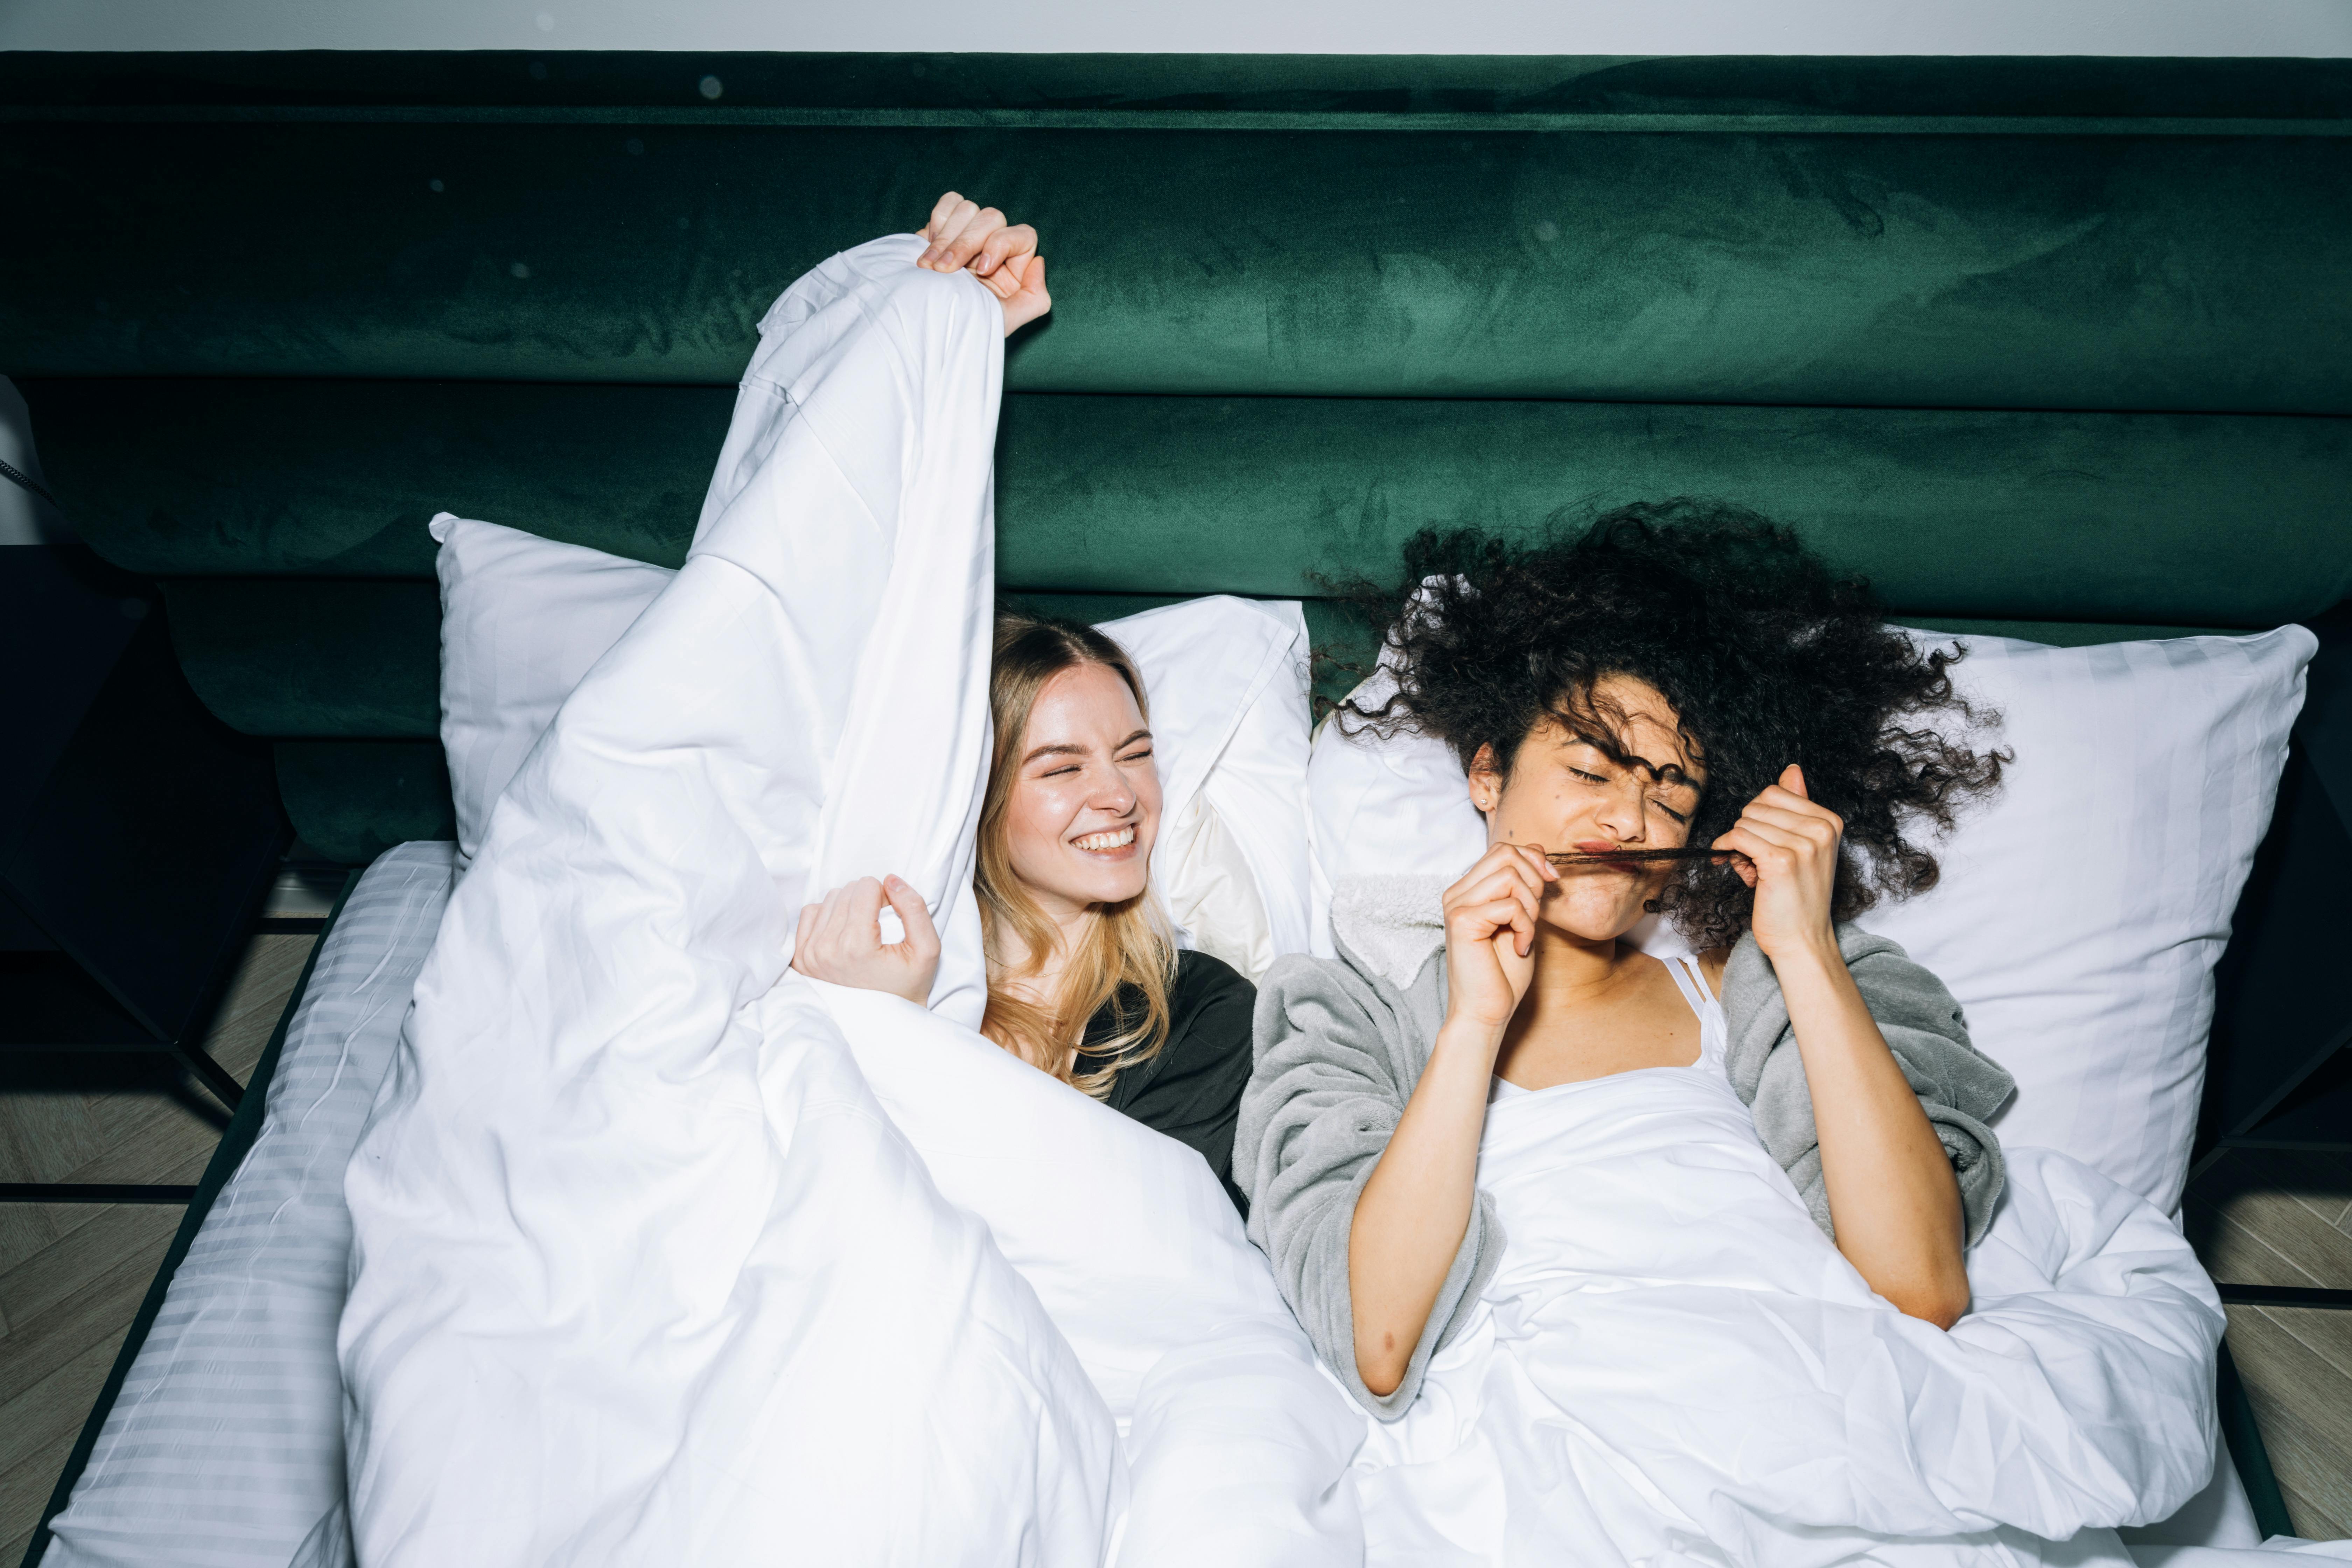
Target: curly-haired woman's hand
[(1790, 847), (1490, 934), (840, 939), (1892, 1195), (966, 236)]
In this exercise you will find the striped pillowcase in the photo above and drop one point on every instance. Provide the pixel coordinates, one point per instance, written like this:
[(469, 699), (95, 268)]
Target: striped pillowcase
[(2082, 909), (225, 1445)]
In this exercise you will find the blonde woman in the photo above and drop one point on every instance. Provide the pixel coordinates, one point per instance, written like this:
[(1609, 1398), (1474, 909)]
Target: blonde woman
[(1084, 982)]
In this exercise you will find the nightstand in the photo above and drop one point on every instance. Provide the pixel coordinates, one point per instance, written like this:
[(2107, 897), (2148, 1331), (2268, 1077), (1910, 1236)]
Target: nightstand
[(138, 834)]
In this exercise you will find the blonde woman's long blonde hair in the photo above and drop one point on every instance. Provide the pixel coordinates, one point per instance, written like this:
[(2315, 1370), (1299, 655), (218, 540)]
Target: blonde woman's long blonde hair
[(1126, 944)]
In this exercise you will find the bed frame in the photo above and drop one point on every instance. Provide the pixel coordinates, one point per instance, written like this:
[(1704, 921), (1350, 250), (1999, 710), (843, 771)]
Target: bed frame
[(2056, 348)]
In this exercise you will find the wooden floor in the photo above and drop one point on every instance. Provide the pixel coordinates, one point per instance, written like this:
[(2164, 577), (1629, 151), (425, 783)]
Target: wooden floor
[(2268, 1217), (72, 1277)]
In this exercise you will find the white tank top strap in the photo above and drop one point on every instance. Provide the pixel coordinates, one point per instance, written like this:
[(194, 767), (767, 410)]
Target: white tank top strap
[(1714, 1032), (1690, 981)]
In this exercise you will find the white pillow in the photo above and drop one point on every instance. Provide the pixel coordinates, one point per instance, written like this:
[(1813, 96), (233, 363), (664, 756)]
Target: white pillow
[(2082, 909), (1383, 807), (522, 619), (1228, 683)]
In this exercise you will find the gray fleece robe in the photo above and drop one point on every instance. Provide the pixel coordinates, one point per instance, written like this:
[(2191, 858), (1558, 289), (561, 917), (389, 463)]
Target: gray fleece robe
[(1342, 1043)]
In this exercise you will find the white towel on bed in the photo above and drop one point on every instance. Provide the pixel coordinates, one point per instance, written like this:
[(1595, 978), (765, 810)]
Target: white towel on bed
[(644, 1268)]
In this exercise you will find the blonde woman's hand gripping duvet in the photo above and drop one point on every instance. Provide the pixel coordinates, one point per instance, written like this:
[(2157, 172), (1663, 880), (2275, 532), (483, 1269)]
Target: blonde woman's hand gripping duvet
[(840, 939), (966, 236)]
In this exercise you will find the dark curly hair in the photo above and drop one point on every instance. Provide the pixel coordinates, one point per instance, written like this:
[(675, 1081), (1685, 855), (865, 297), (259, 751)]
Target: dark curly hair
[(1767, 657)]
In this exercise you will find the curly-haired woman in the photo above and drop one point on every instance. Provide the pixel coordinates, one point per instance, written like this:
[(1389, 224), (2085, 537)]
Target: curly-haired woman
[(1678, 676)]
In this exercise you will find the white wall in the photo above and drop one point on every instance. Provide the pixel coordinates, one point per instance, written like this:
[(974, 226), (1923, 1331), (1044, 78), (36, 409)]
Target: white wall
[(2311, 27)]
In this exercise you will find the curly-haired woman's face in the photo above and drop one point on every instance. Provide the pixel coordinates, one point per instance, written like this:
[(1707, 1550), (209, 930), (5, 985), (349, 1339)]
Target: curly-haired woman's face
[(1564, 792)]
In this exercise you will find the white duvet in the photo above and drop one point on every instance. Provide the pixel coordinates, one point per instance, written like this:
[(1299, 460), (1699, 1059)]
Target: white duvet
[(663, 1254), (1673, 1365)]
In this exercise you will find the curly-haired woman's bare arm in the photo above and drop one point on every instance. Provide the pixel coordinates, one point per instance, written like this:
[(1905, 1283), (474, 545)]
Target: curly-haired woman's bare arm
[(1417, 1206), (1893, 1198)]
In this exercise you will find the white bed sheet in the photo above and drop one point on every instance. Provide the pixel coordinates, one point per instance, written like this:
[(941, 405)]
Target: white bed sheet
[(225, 1445)]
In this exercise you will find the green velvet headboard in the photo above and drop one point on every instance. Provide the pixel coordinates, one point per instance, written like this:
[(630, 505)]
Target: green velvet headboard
[(2067, 342)]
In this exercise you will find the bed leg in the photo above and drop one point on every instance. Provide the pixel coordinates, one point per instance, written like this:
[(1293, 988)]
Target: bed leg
[(2254, 1460)]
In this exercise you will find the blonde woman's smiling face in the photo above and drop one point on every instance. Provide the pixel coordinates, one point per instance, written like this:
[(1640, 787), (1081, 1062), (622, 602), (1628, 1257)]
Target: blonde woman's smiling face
[(1084, 809)]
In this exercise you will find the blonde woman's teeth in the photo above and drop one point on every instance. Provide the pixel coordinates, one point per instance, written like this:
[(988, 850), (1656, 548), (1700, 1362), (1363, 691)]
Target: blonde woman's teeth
[(1117, 838)]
